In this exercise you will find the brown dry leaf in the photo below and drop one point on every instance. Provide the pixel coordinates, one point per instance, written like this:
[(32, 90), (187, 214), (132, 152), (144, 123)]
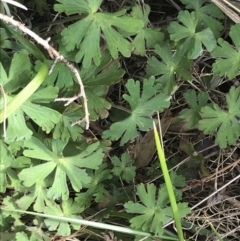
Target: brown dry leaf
[(180, 126), (144, 150), (109, 236)]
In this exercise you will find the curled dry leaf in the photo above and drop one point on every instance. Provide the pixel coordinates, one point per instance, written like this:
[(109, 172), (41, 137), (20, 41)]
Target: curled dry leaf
[(109, 236), (144, 150)]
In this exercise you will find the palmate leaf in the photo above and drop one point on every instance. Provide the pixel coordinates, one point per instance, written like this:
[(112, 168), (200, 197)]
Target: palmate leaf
[(35, 195), (206, 14), (21, 236), (191, 38), (146, 37), (96, 80), (98, 106), (5, 162), (123, 168), (226, 123), (62, 167), (43, 116), (13, 81), (152, 213), (60, 75), (19, 74), (17, 128), (196, 103), (142, 105), (229, 58), (8, 165), (67, 209), (172, 67), (36, 234), (64, 129), (96, 188), (85, 34)]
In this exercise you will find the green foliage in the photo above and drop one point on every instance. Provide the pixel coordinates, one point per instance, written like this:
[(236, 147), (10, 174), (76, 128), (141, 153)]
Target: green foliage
[(207, 14), (196, 103), (229, 65), (88, 39), (224, 122), (146, 36), (71, 167), (152, 213), (96, 187), (142, 105), (6, 161), (12, 82), (130, 69), (192, 39), (67, 209), (124, 168), (172, 67)]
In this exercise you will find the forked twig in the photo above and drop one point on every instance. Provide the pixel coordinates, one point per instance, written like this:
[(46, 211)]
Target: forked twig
[(54, 54)]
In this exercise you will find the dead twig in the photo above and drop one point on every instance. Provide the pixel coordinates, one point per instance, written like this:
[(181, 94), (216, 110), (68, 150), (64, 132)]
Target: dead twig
[(228, 9), (54, 54)]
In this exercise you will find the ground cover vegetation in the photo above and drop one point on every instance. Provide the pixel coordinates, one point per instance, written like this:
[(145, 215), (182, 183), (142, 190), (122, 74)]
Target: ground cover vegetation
[(72, 169)]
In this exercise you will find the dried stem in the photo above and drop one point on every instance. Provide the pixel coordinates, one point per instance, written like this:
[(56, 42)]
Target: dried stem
[(54, 54)]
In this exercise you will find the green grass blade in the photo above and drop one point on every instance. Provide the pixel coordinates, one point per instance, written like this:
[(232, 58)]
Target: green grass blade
[(93, 224), (169, 185)]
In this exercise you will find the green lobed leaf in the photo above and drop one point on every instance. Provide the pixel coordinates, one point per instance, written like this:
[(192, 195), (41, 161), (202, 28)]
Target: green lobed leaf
[(96, 188), (172, 67), (71, 167), (152, 213), (17, 128), (142, 105), (229, 58), (61, 76), (72, 6), (64, 129), (192, 38), (177, 180), (195, 102), (206, 14), (67, 209), (21, 236), (224, 122), (108, 72), (19, 72), (146, 37), (44, 117), (87, 40), (123, 168), (6, 160), (36, 196), (18, 78), (98, 106)]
